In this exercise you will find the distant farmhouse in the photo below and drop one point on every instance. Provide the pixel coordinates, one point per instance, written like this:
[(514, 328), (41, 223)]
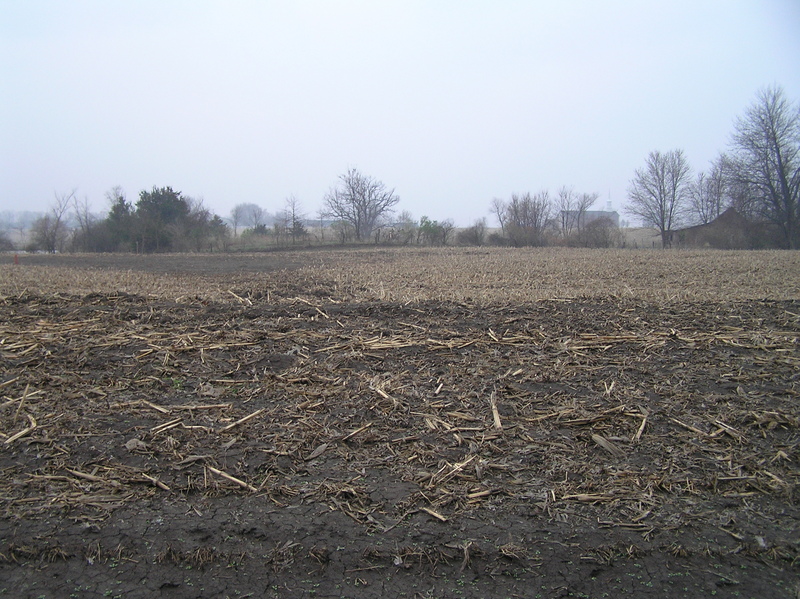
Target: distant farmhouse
[(729, 231)]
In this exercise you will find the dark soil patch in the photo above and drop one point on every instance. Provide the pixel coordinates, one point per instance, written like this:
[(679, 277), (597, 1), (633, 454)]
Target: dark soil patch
[(288, 259)]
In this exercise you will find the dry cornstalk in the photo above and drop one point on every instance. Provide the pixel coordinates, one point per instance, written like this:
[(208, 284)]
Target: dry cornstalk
[(317, 452), (590, 497), (638, 436), (214, 406), (728, 429), (690, 427), (463, 416), (165, 426), (434, 513), (478, 495), (596, 418), (154, 406), (13, 401), (9, 381), (626, 525), (21, 401), (382, 393), (241, 420), (94, 478), (233, 479), (550, 415), (608, 446), (465, 561), (454, 469), (23, 432), (156, 482), (777, 479), (241, 299), (358, 430), (495, 414)]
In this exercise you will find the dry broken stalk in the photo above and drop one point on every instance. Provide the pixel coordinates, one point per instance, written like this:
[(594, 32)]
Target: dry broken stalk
[(23, 432), (495, 414), (608, 446), (21, 402), (233, 479), (241, 420), (355, 432)]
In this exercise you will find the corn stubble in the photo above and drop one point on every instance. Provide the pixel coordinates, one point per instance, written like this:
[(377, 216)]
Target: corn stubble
[(628, 391)]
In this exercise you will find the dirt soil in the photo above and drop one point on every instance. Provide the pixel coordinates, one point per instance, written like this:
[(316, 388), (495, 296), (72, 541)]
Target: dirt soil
[(299, 445)]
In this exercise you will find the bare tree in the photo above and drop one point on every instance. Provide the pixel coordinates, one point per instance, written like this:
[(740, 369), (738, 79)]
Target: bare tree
[(742, 198), (568, 217), (249, 215), (294, 217), (708, 192), (498, 209), (474, 235), (406, 227), (766, 159), (115, 195), (237, 217), (193, 232), (6, 244), (600, 233), (526, 217), (447, 227), (658, 193), (19, 222), (572, 208), (48, 231), (321, 216), (83, 238), (360, 201), (585, 201)]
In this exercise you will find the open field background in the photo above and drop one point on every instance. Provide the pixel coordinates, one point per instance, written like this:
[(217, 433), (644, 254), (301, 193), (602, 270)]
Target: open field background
[(386, 422), (490, 275)]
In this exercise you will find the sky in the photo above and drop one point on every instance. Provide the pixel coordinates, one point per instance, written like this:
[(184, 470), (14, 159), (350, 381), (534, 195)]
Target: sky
[(450, 103)]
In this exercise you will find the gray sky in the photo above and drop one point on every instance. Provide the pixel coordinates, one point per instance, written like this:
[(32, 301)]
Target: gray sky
[(451, 103)]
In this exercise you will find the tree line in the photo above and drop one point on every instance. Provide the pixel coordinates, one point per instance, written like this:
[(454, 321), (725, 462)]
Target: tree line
[(759, 176), (358, 209), (161, 220)]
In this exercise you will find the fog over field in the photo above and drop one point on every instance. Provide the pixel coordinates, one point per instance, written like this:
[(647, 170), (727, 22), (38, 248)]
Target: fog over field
[(450, 104)]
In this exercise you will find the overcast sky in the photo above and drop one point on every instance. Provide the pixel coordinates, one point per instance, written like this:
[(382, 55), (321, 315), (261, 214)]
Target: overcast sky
[(452, 103)]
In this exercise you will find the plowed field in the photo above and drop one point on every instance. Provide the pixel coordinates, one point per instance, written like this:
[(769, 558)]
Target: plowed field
[(401, 423)]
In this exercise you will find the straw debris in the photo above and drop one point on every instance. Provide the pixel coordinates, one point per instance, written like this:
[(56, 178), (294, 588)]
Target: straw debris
[(479, 389)]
